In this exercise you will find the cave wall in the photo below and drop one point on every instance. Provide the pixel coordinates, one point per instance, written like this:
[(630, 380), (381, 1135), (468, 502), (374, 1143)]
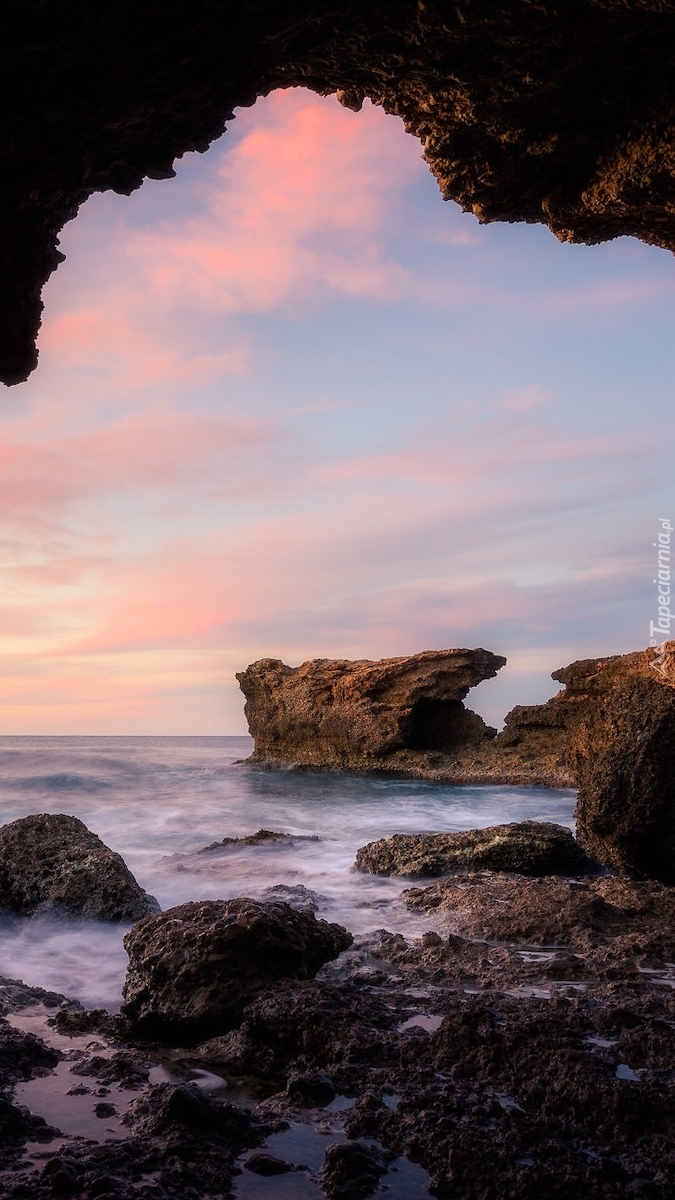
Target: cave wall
[(555, 114)]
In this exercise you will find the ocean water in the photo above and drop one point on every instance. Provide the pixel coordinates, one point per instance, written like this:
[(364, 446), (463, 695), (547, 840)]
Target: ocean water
[(158, 801)]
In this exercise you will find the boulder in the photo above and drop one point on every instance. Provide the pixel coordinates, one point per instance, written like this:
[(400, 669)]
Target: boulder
[(523, 847), (625, 765), (53, 863), (344, 715), (194, 968)]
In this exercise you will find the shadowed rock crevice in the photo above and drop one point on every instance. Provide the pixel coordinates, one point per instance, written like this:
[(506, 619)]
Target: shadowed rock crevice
[(562, 115)]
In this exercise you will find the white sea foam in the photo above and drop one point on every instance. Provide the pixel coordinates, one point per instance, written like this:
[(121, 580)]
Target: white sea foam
[(158, 801)]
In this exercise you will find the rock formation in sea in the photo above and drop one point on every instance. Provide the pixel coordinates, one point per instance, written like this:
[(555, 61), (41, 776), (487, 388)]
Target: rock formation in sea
[(195, 967), (610, 731), (365, 715), (528, 847), (404, 716), (556, 114), (53, 863)]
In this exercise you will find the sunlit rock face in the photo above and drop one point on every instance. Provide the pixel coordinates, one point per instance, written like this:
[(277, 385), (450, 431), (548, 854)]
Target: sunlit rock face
[(365, 715), (562, 115)]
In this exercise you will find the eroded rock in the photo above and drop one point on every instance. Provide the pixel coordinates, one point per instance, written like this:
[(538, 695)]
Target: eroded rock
[(365, 715), (195, 967), (559, 115), (53, 863), (582, 914), (625, 765), (528, 847)]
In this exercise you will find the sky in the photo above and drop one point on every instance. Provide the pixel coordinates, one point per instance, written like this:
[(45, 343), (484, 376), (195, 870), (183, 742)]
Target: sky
[(291, 404)]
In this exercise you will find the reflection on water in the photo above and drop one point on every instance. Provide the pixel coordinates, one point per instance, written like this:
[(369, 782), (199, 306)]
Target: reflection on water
[(158, 801)]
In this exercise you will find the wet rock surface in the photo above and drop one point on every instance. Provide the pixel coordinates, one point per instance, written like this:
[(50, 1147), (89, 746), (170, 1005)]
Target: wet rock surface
[(195, 967), (53, 863), (523, 1046), (559, 115), (529, 847)]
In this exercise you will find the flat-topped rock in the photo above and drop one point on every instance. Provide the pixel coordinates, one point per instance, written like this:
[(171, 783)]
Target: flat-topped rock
[(524, 847), (53, 863)]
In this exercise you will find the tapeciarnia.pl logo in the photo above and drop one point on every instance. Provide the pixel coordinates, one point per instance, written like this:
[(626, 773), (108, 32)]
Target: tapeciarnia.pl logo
[(659, 630)]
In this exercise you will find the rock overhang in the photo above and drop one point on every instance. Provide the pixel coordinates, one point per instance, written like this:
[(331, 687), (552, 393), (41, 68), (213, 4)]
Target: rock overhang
[(561, 115)]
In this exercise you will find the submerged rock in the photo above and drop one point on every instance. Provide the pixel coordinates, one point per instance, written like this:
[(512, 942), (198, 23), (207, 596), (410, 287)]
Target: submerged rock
[(362, 715), (352, 1170), (53, 863), (526, 847), (195, 967)]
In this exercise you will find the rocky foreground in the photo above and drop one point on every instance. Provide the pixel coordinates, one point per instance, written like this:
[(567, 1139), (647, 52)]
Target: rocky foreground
[(523, 1046)]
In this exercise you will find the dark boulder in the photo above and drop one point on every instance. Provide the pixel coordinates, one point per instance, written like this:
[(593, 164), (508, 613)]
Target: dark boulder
[(53, 863), (194, 968), (352, 1170), (625, 766), (524, 847)]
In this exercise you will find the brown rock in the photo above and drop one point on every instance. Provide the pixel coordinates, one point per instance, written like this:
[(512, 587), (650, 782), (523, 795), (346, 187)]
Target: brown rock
[(561, 115), (53, 863), (526, 847), (625, 764), (194, 968), (365, 715), (551, 911)]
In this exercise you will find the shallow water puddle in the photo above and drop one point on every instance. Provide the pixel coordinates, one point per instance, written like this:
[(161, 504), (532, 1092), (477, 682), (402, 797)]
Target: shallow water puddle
[(73, 1104), (429, 1022), (302, 1147), (623, 1071)]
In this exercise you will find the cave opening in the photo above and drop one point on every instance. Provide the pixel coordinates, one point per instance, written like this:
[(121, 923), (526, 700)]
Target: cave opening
[(436, 724)]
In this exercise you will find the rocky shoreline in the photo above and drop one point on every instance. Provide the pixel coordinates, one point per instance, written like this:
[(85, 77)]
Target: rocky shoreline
[(524, 1045)]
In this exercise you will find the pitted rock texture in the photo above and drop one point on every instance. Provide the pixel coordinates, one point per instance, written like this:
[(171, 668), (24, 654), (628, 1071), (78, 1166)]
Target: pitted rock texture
[(625, 764), (195, 967), (364, 715), (527, 847), (53, 863), (555, 114)]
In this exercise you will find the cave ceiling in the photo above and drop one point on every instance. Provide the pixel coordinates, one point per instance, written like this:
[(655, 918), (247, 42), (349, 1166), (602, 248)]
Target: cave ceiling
[(560, 114)]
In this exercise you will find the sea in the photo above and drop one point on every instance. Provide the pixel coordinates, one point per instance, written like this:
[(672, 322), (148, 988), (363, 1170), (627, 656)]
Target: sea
[(159, 801)]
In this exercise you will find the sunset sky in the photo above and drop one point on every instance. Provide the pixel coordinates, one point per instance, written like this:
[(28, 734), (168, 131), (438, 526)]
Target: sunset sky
[(291, 404)]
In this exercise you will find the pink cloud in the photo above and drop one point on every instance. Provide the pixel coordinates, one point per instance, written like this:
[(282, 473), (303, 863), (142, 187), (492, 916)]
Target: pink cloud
[(526, 400), (296, 207)]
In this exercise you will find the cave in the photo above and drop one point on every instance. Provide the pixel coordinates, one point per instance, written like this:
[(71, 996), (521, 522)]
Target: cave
[(561, 115), (443, 726)]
